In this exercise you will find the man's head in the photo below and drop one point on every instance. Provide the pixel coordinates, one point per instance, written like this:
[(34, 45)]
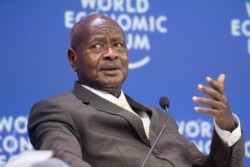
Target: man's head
[(98, 53)]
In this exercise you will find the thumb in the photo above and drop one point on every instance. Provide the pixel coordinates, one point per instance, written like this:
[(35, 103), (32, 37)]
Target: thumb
[(221, 80)]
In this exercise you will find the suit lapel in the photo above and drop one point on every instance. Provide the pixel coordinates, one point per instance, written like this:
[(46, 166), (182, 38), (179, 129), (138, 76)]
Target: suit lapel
[(100, 104), (155, 119)]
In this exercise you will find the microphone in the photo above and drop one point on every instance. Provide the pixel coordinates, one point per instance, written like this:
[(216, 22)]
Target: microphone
[(165, 104)]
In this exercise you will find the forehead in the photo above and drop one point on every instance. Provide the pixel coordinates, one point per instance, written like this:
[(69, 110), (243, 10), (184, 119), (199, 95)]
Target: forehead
[(104, 27), (95, 26), (105, 31)]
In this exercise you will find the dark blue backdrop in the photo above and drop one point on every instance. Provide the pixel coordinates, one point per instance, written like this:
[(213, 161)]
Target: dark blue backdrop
[(173, 47)]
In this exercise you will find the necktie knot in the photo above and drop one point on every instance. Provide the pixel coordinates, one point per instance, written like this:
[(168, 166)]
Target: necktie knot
[(143, 115), (123, 104)]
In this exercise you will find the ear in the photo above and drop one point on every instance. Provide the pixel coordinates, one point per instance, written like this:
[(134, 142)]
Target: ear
[(72, 56)]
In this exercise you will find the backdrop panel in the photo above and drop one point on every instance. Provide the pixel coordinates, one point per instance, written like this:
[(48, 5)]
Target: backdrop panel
[(173, 46)]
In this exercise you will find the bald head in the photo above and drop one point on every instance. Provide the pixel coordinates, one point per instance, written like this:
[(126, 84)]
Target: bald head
[(81, 30), (99, 53)]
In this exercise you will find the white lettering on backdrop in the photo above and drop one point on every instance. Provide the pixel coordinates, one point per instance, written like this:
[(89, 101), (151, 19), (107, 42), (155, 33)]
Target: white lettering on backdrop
[(13, 137), (242, 27), (132, 16)]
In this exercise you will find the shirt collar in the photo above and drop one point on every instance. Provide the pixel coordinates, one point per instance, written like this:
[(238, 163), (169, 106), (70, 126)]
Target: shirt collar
[(106, 95)]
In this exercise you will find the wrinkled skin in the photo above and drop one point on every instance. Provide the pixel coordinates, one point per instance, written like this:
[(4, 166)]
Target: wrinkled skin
[(99, 54)]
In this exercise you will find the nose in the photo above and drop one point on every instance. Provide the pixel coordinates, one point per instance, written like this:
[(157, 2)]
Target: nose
[(110, 54)]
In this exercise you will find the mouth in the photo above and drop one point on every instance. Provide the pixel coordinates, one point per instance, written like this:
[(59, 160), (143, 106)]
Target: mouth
[(110, 69)]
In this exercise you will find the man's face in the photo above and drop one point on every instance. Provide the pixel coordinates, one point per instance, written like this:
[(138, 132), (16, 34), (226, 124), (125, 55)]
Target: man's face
[(102, 58)]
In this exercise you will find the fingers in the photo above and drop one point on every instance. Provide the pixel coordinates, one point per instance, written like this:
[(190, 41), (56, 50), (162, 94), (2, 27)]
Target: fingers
[(217, 85), (218, 100), (215, 92), (207, 111), (214, 105), (221, 80), (218, 106)]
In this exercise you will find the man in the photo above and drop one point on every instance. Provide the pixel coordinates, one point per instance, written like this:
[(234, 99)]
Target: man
[(85, 127)]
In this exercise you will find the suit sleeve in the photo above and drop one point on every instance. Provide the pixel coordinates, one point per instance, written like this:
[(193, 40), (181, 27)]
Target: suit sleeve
[(220, 154), (223, 155), (182, 150), (52, 128)]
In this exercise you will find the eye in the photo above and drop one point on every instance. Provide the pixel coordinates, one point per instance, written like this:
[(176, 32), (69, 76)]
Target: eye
[(96, 46), (118, 44)]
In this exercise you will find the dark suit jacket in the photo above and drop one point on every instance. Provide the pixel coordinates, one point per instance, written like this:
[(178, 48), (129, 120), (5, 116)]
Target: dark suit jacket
[(85, 130)]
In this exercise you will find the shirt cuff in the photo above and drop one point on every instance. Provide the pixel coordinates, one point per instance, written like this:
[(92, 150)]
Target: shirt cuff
[(229, 138)]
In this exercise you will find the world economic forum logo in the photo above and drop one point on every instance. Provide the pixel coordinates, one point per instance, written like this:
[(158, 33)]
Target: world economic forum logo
[(133, 16)]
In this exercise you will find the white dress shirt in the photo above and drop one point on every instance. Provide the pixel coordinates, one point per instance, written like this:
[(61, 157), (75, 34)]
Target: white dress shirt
[(229, 138)]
